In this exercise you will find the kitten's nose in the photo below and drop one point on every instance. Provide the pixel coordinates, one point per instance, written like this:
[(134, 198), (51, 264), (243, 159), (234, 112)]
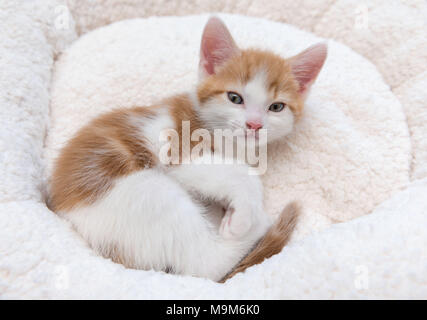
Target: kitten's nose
[(254, 125)]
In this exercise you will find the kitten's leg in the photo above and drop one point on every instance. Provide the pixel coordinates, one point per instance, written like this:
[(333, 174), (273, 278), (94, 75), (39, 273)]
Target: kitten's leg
[(232, 184), (148, 221)]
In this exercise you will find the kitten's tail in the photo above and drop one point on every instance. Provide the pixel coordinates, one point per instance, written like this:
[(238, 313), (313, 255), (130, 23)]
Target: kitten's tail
[(272, 243)]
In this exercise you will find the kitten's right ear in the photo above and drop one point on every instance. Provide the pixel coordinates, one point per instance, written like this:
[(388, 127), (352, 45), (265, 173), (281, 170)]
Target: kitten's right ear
[(217, 47)]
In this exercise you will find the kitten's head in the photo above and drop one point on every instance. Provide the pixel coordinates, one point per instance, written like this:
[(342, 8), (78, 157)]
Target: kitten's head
[(252, 89)]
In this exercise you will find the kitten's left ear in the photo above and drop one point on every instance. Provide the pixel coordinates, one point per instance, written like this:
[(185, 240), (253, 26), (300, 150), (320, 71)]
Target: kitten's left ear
[(216, 48), (307, 64)]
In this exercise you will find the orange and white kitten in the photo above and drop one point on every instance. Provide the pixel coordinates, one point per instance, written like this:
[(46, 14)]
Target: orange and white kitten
[(111, 185)]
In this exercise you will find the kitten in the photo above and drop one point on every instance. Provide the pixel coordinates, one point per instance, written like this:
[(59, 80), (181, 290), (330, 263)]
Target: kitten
[(110, 184)]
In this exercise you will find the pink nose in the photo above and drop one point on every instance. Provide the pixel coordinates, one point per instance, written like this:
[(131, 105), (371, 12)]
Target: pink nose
[(254, 125)]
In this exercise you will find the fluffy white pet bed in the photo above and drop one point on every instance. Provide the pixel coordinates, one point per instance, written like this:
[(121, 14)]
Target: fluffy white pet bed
[(350, 153)]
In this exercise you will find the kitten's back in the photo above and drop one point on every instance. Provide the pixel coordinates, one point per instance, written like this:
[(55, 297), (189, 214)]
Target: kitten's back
[(105, 149)]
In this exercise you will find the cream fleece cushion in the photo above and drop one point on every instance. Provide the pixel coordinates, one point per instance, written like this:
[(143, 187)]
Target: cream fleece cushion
[(350, 151)]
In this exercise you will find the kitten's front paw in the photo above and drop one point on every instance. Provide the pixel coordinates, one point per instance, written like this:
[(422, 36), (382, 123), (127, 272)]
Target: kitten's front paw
[(235, 224)]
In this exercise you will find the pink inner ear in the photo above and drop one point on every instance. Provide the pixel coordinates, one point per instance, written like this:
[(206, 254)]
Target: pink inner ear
[(306, 65), (217, 45)]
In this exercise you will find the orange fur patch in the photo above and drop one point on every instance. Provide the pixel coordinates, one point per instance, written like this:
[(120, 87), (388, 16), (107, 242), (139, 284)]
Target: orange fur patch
[(181, 109), (107, 148)]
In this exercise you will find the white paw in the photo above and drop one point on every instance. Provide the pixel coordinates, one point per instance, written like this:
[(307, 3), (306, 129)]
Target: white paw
[(235, 224)]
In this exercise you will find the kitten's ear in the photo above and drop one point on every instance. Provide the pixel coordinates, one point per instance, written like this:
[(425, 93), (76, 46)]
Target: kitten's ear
[(307, 64), (217, 47)]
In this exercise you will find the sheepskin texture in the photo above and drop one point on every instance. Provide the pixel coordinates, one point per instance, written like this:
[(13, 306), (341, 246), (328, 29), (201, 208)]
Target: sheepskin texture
[(359, 151)]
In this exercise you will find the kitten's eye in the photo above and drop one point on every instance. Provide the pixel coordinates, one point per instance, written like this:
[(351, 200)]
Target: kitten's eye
[(235, 98), (277, 107)]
